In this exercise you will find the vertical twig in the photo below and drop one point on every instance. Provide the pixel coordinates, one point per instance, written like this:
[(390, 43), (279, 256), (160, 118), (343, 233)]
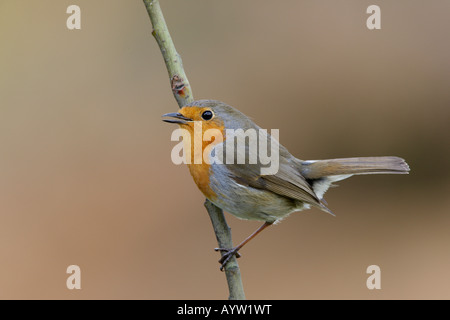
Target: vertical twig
[(183, 94), (178, 80), (223, 235)]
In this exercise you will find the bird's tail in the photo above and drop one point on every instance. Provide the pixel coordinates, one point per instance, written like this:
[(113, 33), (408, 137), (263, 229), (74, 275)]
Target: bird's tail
[(314, 169), (322, 173)]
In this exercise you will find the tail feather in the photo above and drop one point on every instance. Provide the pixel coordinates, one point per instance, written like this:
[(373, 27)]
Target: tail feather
[(314, 169), (322, 173)]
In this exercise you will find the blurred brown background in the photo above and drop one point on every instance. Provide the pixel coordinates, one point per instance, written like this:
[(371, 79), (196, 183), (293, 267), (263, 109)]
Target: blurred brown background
[(85, 170)]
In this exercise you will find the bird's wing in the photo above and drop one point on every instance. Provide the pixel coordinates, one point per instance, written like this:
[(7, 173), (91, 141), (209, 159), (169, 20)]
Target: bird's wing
[(287, 181)]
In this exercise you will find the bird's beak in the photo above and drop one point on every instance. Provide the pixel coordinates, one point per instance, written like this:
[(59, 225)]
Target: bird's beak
[(178, 118)]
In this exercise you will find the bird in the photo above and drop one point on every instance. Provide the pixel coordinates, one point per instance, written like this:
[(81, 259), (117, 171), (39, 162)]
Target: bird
[(244, 189)]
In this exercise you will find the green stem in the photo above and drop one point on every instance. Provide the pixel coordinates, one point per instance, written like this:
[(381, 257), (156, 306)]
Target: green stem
[(183, 94), (223, 235), (178, 80)]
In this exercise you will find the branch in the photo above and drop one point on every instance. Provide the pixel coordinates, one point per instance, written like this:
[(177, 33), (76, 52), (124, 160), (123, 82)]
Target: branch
[(223, 235), (183, 94)]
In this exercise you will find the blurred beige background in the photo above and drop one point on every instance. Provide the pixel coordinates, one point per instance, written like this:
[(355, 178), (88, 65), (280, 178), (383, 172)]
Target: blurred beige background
[(85, 170)]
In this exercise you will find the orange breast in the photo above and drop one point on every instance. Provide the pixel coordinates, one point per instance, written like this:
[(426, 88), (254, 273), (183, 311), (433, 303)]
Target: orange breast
[(200, 172)]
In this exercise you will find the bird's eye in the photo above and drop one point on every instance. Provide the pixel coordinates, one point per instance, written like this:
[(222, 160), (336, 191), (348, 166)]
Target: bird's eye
[(207, 115)]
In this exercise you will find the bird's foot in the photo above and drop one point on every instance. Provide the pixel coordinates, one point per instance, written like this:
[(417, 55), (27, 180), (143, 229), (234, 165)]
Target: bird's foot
[(227, 255)]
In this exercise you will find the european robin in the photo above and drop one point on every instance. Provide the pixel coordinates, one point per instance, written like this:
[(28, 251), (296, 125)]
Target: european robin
[(243, 190)]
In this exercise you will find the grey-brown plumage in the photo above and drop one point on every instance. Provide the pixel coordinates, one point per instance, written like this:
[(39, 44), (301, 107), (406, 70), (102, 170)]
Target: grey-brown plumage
[(244, 192)]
